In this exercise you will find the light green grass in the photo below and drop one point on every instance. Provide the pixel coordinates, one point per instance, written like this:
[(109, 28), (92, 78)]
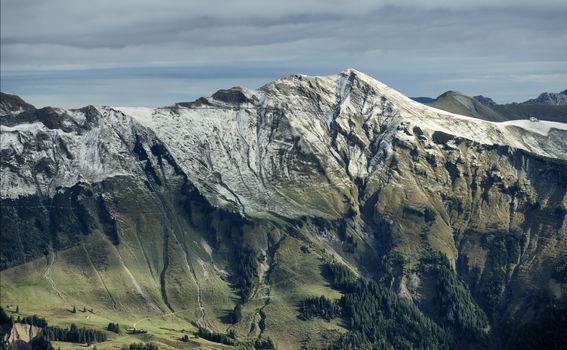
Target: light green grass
[(296, 276)]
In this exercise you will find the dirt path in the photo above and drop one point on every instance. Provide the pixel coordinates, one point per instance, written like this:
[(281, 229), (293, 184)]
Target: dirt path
[(202, 319), (175, 313), (101, 280), (46, 275)]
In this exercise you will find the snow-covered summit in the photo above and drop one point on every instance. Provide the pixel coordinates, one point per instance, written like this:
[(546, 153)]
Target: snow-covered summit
[(303, 134), (550, 98)]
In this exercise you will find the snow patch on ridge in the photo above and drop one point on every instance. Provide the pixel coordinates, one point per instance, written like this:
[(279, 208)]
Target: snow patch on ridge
[(541, 127), (143, 115)]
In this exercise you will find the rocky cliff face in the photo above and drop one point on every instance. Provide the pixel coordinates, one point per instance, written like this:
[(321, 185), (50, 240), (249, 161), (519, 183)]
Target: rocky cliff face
[(487, 101), (166, 200), (12, 104), (21, 335)]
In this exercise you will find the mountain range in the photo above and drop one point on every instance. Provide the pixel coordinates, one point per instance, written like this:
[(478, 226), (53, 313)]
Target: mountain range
[(312, 213), (547, 106)]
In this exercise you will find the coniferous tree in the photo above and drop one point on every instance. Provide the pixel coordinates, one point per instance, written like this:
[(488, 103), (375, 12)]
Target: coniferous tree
[(246, 274), (232, 333), (6, 323), (237, 314), (376, 316), (214, 336), (113, 327), (34, 320), (74, 334), (140, 346), (41, 343)]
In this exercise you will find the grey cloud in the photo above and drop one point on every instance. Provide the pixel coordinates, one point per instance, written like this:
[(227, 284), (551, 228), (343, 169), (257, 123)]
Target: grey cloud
[(418, 47)]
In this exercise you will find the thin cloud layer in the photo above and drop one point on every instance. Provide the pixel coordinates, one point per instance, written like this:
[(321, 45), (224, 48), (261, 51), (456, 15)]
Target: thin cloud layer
[(189, 48)]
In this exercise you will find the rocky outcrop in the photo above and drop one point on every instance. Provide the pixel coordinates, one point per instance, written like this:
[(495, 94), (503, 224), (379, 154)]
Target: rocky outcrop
[(12, 104), (21, 336), (487, 101)]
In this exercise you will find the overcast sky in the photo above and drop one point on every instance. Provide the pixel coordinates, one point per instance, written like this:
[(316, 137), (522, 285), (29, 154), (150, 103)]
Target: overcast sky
[(72, 53)]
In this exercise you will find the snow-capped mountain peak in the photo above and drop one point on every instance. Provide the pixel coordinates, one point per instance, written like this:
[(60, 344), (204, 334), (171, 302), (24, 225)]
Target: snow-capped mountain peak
[(283, 149)]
